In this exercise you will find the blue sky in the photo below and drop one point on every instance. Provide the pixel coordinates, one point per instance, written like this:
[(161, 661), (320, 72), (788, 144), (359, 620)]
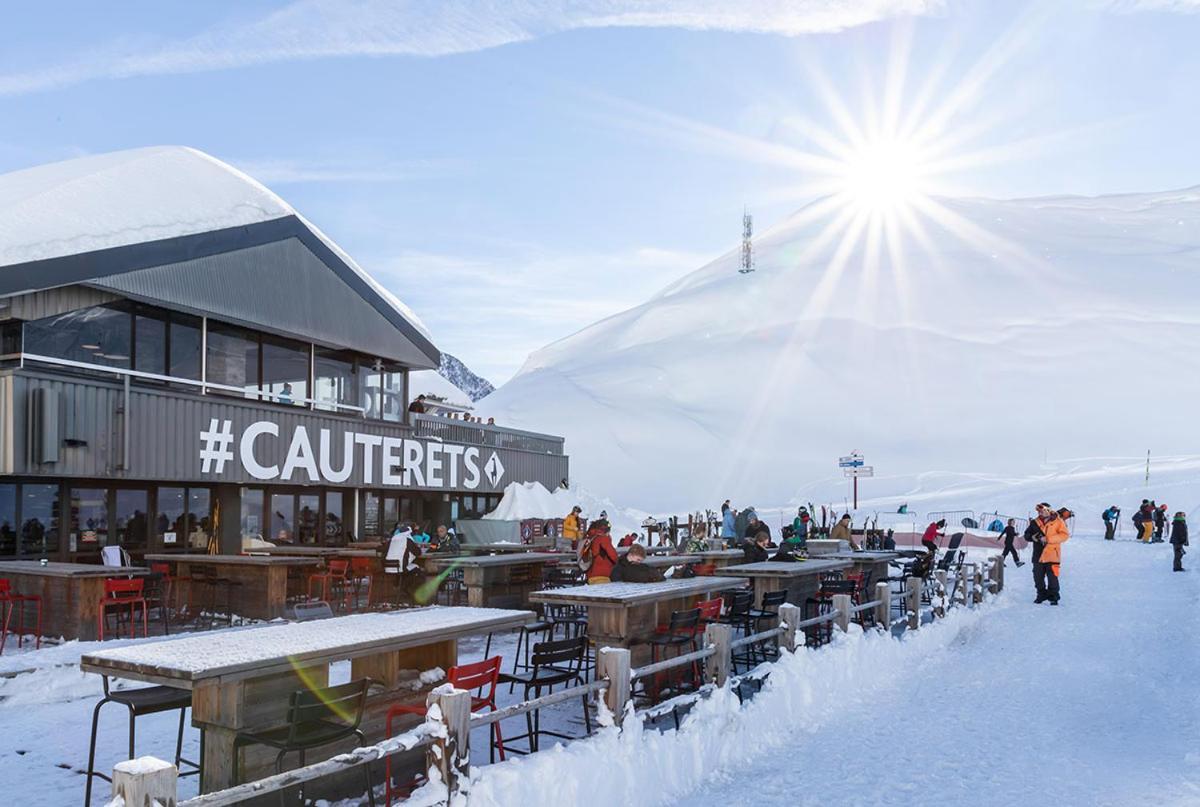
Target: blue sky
[(515, 171)]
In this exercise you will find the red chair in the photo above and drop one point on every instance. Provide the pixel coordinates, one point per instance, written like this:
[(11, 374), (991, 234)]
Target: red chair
[(336, 573), (10, 601), (704, 569), (120, 592), (362, 569), (482, 676), (710, 611)]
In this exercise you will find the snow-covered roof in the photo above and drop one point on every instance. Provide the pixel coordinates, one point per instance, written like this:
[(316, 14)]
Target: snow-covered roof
[(139, 196)]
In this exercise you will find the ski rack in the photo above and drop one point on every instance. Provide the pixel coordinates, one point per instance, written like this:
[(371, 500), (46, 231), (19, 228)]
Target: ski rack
[(954, 517), (987, 518)]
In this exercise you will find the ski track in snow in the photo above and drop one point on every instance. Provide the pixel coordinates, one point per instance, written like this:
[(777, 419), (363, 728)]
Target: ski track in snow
[(1090, 703)]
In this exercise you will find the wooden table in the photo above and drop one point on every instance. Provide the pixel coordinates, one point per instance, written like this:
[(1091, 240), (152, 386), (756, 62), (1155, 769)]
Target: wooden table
[(874, 562), (314, 552), (664, 561), (241, 680), (619, 614), (264, 579), (800, 580), (496, 580), (490, 549), (722, 558), (70, 592), (825, 546)]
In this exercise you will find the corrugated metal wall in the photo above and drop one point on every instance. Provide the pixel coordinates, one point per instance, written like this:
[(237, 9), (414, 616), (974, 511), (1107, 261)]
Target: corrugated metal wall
[(53, 302)]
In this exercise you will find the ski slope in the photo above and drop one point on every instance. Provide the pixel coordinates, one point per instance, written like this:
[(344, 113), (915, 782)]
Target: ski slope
[(1007, 333)]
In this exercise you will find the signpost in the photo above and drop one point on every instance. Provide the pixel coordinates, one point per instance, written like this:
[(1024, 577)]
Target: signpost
[(853, 467)]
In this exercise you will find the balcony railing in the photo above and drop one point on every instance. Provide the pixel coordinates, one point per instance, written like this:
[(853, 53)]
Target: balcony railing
[(483, 434)]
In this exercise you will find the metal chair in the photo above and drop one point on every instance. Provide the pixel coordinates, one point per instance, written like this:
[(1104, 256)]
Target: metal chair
[(11, 601), (212, 588), (316, 609), (140, 702), (767, 612), (335, 577), (554, 663), (361, 569), (315, 718), (120, 593), (678, 635)]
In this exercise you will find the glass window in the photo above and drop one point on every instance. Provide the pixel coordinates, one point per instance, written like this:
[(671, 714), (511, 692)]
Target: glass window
[(392, 393), (89, 519), (97, 335), (335, 379), (406, 508), (371, 515), (233, 358), (252, 513), (131, 518), (185, 347), (372, 395), (150, 344), (39, 519), (285, 371), (308, 519), (335, 529), (170, 526), (10, 338), (283, 518), (391, 513), (8, 520), (199, 517)]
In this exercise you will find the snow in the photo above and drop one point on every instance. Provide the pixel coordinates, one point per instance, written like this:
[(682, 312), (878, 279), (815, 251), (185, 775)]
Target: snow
[(121, 198), (430, 382), (1025, 339), (524, 500)]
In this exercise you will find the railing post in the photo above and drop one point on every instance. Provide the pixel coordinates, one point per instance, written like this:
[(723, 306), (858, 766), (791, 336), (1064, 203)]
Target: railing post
[(147, 780), (613, 664), (977, 586), (939, 608), (914, 602), (452, 755), (717, 666), (883, 611), (790, 615), (1000, 576), (843, 603)]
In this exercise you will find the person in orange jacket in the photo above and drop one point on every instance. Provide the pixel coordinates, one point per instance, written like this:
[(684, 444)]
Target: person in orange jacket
[(570, 527), (1056, 534)]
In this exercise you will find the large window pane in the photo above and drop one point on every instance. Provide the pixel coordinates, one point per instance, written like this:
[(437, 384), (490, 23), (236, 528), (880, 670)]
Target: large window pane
[(170, 527), (391, 513), (89, 519), (185, 347), (199, 517), (97, 335), (252, 513), (393, 396), (308, 519), (372, 393), (335, 528), (8, 520), (131, 510), (283, 515), (150, 344), (335, 379), (233, 358), (39, 519), (285, 371), (371, 527)]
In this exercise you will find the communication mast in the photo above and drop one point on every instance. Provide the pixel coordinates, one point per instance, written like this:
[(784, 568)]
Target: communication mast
[(747, 243)]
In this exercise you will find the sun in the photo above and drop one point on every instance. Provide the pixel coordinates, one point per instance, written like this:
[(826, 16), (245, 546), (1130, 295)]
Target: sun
[(884, 175)]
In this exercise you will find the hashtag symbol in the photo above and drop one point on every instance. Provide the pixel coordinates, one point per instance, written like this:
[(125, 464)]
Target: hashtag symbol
[(215, 446)]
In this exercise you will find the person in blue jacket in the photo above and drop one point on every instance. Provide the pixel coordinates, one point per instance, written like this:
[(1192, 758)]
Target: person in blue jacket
[(1110, 517), (728, 532)]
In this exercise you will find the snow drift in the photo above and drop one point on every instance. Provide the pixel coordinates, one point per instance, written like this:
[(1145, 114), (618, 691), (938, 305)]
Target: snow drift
[(997, 335)]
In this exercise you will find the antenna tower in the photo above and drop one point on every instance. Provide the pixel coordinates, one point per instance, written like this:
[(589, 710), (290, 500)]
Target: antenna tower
[(747, 243)]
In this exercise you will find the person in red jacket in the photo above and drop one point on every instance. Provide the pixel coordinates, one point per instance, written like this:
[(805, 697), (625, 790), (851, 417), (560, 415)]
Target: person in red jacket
[(932, 533), (599, 548)]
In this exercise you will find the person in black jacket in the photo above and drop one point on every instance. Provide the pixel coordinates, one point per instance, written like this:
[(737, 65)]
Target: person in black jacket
[(633, 569), (784, 555), (1009, 535), (1160, 523), (755, 527), (1034, 535), (756, 550), (1179, 539)]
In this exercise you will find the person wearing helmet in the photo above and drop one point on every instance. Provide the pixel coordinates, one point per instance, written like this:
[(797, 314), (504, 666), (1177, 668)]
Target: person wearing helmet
[(1179, 539), (935, 530), (1111, 517), (1055, 535), (1160, 523)]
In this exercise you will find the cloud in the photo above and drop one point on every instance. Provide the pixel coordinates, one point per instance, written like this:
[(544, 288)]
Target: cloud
[(315, 29), (285, 172), (1131, 6)]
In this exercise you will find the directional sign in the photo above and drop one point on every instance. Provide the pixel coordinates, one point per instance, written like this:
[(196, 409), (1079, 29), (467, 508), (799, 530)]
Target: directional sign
[(852, 461), (865, 470)]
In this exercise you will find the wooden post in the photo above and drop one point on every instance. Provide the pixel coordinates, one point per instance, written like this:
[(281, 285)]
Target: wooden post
[(977, 586), (843, 603), (613, 664), (914, 602), (790, 615), (939, 608), (452, 756), (883, 611), (1000, 576), (145, 780), (717, 666)]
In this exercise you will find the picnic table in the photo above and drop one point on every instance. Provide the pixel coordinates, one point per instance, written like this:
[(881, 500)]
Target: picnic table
[(801, 579), (489, 549), (241, 680), (722, 558), (261, 581), (873, 563), (621, 614), (496, 580), (664, 561), (314, 552), (70, 593)]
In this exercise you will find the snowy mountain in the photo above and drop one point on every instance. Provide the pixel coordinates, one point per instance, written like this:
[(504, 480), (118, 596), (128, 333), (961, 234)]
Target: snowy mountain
[(989, 336), (458, 374)]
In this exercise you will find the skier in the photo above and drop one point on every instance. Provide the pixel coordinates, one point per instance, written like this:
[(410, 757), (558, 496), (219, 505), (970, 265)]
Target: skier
[(1035, 535), (1055, 530), (1179, 539), (1009, 535), (1160, 523), (842, 532), (1110, 516), (570, 527), (800, 525), (932, 533), (1143, 521), (742, 520), (597, 555), (727, 523)]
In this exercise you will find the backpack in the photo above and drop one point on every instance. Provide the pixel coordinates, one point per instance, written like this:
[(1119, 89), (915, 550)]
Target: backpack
[(585, 558), (996, 526)]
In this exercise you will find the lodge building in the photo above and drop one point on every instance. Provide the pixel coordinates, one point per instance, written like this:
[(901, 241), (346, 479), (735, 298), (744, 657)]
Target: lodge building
[(187, 364)]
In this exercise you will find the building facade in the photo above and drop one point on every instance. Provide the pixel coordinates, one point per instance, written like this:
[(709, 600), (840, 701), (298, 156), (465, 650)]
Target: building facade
[(220, 384)]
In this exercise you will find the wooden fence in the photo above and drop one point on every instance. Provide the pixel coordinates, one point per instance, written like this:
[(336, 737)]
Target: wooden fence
[(446, 733)]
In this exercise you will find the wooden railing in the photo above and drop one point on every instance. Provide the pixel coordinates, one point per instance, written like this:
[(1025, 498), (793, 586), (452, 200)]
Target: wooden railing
[(446, 733)]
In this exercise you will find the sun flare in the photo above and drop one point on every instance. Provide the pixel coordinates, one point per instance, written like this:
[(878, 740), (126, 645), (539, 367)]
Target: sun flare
[(884, 175)]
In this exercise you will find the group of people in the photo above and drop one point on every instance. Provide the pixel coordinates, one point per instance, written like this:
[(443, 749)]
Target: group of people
[(1150, 525), (601, 562)]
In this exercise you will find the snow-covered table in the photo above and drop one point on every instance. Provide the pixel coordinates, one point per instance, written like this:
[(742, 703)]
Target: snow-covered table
[(263, 589), (620, 614), (506, 579), (241, 680), (70, 593), (800, 580)]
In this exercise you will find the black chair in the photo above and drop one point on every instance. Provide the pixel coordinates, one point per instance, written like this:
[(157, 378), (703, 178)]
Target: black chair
[(679, 635), (215, 593), (554, 663), (766, 613), (822, 604), (543, 627), (139, 702), (313, 609), (314, 718)]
